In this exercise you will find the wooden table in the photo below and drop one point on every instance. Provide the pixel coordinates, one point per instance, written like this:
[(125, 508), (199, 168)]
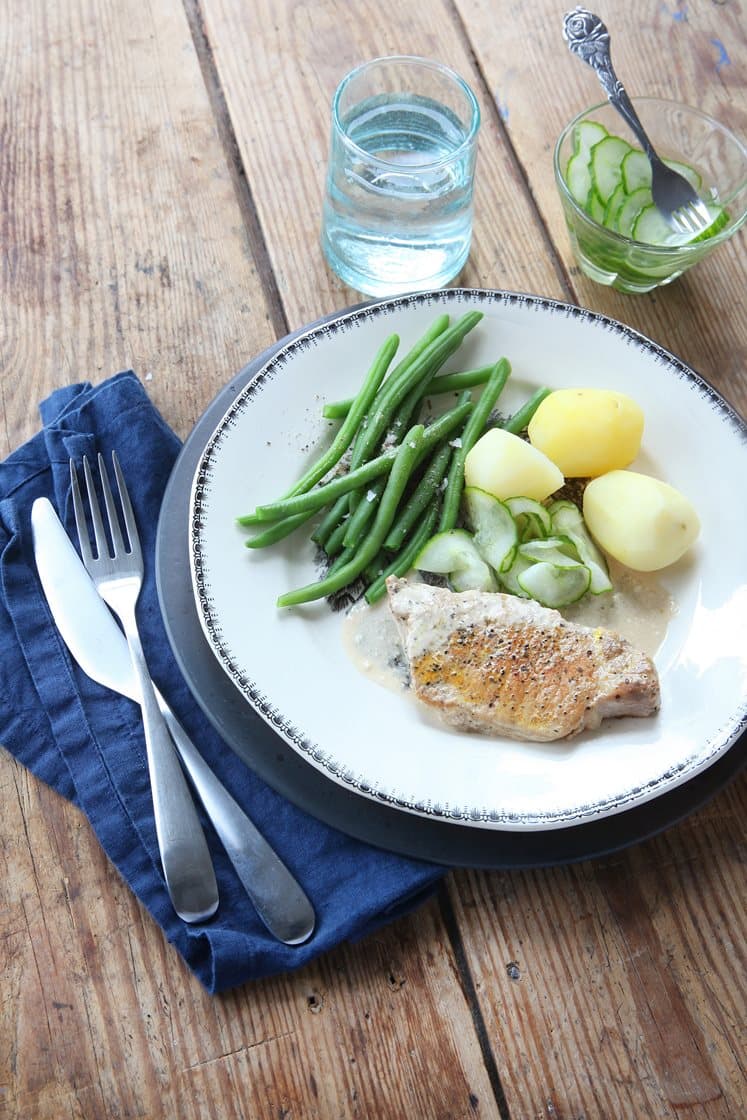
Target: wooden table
[(161, 168)]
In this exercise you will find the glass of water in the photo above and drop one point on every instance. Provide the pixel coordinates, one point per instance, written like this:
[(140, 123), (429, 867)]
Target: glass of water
[(397, 213)]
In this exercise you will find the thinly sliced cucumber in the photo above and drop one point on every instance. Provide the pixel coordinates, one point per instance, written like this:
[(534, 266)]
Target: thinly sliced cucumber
[(596, 208), (606, 161), (567, 520), (532, 518), (652, 228), (453, 554), (510, 578), (555, 586), (585, 135), (636, 170), (560, 551), (631, 208), (494, 528), (694, 178), (578, 178), (614, 206)]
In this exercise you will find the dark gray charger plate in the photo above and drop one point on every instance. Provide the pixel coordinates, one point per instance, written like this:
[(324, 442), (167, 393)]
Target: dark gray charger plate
[(268, 755)]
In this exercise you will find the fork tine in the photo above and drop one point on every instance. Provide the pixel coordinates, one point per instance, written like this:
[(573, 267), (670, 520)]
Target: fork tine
[(99, 532), (80, 517), (127, 510), (111, 510)]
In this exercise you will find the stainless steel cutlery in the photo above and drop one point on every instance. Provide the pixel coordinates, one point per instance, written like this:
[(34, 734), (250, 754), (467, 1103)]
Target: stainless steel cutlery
[(101, 649)]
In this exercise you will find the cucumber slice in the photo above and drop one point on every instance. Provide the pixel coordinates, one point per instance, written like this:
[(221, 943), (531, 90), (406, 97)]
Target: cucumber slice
[(606, 165), (578, 178), (652, 228), (453, 554), (560, 551), (694, 178), (510, 578), (585, 135), (614, 206), (568, 521), (631, 208), (495, 533), (555, 586), (636, 170), (596, 208), (532, 518)]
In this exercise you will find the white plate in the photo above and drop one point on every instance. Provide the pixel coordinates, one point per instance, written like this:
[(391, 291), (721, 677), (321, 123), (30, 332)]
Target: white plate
[(291, 665)]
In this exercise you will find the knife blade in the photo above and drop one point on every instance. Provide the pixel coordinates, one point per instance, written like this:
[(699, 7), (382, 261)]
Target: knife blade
[(100, 648)]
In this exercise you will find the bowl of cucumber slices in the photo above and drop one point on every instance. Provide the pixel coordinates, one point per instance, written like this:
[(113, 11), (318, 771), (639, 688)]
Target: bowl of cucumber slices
[(604, 179)]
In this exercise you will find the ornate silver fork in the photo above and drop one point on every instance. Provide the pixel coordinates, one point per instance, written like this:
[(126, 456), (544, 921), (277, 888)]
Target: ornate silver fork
[(673, 196), (118, 576)]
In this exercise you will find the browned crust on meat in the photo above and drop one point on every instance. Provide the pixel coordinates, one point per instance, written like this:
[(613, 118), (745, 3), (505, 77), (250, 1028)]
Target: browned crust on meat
[(537, 677)]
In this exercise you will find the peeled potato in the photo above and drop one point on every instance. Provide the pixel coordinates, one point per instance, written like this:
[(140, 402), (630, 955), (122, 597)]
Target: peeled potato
[(506, 466), (587, 432), (644, 523)]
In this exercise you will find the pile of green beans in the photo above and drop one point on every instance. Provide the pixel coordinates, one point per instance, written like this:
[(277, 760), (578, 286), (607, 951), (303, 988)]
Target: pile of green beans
[(383, 494)]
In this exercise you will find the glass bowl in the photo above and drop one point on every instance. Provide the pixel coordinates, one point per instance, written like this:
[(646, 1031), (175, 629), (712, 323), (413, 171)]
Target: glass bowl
[(719, 161)]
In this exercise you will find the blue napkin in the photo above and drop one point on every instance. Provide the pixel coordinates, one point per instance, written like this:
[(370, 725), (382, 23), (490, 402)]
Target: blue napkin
[(87, 743)]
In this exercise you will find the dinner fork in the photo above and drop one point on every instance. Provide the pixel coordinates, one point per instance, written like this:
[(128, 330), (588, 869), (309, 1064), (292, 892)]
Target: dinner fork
[(118, 576), (674, 197)]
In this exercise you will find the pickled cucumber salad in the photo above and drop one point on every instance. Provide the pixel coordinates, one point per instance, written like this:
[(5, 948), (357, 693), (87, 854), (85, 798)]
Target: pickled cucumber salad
[(610, 180), (425, 471)]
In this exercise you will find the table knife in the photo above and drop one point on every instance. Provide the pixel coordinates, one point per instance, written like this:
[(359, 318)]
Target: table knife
[(100, 648)]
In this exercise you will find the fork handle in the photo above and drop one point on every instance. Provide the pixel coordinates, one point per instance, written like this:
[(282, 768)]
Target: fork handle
[(278, 898), (589, 39), (185, 858)]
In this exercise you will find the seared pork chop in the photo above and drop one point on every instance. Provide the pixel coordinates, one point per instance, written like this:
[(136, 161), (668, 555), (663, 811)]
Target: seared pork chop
[(502, 665)]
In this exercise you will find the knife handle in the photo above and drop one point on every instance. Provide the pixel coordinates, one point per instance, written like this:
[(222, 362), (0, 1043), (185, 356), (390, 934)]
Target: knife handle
[(277, 897)]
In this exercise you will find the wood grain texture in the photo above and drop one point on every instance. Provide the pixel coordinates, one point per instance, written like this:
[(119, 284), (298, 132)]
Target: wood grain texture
[(122, 241), (675, 51), (161, 170)]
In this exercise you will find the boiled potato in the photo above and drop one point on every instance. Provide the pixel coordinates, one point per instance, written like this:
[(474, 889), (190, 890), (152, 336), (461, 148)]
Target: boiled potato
[(644, 523), (587, 432), (506, 466)]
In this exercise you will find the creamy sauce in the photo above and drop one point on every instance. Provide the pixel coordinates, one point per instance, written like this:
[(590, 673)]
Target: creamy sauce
[(639, 608)]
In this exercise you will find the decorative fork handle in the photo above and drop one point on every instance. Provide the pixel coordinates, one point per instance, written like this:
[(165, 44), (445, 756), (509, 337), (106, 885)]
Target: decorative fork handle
[(185, 857), (589, 39), (277, 897)]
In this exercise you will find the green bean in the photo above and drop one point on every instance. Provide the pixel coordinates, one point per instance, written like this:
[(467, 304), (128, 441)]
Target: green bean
[(472, 430), (344, 556), (402, 563), (277, 531), (520, 419), (420, 498), (336, 539), (405, 460), (442, 383), (330, 521), (345, 435), (356, 524), (396, 388), (321, 496)]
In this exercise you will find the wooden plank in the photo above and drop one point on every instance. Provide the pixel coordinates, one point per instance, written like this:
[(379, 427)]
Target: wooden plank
[(129, 241), (123, 244), (581, 1037), (616, 987), (683, 52), (279, 66)]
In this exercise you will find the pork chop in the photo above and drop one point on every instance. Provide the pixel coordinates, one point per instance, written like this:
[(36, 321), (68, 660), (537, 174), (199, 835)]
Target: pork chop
[(501, 665)]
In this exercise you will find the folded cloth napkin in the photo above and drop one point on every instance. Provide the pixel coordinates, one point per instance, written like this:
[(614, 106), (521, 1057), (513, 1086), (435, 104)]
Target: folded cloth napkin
[(87, 743)]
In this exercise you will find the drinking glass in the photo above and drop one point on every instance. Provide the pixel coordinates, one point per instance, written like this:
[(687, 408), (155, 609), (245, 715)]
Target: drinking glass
[(397, 213)]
